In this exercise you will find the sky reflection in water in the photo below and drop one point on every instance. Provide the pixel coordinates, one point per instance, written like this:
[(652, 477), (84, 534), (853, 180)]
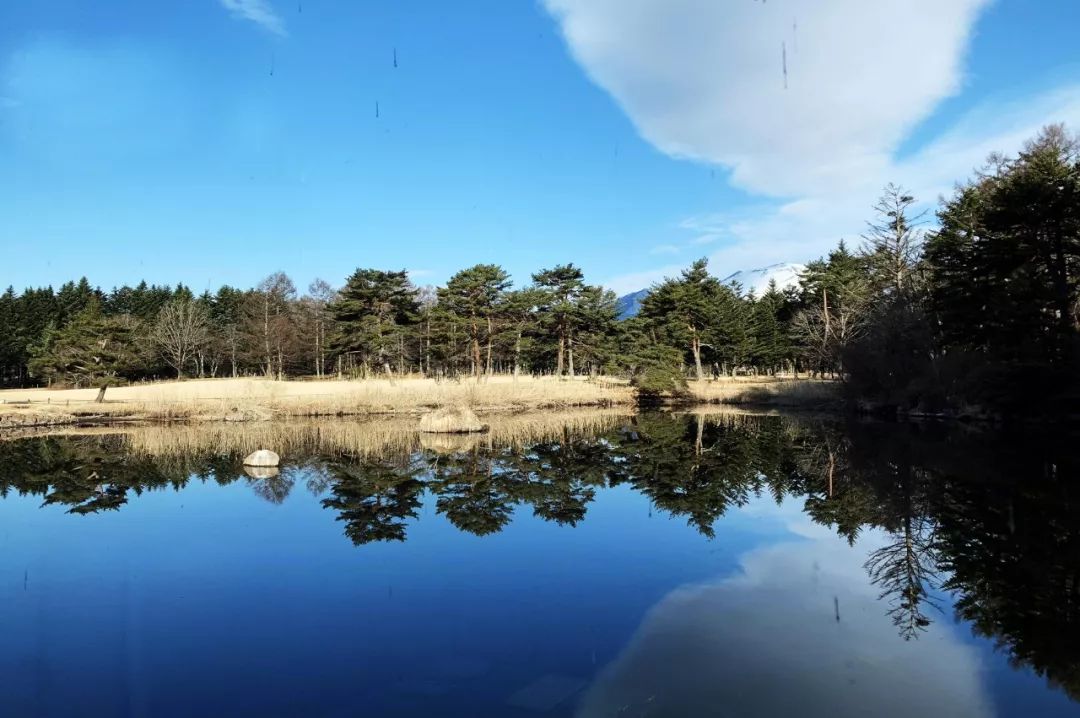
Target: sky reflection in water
[(548, 574)]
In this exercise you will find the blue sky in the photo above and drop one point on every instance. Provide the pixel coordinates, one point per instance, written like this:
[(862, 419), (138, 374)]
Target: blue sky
[(216, 141)]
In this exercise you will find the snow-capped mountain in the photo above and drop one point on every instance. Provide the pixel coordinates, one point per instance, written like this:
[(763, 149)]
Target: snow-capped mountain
[(786, 274), (757, 280)]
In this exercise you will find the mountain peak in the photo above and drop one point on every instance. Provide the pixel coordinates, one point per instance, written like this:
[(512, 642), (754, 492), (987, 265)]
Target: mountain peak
[(785, 274)]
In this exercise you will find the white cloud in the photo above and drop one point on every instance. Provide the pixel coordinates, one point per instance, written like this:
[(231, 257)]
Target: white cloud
[(664, 249), (703, 80), (257, 11), (807, 227), (766, 642)]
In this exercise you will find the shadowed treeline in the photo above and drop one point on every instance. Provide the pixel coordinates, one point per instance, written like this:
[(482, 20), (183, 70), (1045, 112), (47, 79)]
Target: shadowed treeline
[(992, 520)]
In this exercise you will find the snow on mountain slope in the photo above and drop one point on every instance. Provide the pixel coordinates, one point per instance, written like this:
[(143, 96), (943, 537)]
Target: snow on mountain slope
[(786, 275), (757, 280)]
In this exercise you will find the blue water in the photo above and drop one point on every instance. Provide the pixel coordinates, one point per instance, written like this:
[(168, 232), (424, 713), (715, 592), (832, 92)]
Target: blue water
[(212, 601)]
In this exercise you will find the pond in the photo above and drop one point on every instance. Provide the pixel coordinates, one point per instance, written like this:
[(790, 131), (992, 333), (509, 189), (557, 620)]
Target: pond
[(588, 564)]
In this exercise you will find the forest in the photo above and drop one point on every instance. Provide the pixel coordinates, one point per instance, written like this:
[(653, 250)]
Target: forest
[(974, 309)]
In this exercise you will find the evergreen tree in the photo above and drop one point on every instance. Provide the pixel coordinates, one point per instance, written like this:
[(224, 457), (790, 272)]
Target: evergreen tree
[(11, 351), (562, 287), (770, 344), (474, 297), (520, 309), (372, 313), (893, 243), (834, 296), (74, 297), (91, 348), (594, 338), (686, 311), (1005, 265)]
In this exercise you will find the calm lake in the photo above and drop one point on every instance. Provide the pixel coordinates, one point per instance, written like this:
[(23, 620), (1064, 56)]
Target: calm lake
[(588, 564)]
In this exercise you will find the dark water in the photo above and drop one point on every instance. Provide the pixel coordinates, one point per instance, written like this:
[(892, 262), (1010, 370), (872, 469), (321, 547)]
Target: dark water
[(657, 566)]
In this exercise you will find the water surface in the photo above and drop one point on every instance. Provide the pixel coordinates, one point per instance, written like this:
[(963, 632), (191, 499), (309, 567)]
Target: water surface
[(584, 565)]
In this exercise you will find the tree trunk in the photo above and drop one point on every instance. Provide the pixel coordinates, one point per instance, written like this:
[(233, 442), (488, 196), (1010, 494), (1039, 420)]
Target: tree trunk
[(570, 356), (695, 347), (517, 354), (1059, 271), (427, 346), (559, 360), (266, 338), (476, 361), (488, 368), (101, 392)]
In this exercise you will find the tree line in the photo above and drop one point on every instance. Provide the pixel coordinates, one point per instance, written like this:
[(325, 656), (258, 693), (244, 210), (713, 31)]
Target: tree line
[(980, 309), (377, 324)]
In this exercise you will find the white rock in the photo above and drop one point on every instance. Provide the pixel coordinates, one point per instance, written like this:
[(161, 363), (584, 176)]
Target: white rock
[(262, 457), (261, 472)]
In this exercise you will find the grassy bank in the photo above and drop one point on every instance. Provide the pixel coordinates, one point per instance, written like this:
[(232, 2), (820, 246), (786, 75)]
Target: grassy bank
[(758, 391), (260, 399)]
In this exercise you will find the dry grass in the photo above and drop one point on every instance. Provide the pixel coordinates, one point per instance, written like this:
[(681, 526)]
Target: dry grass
[(371, 437), (451, 420), (766, 391), (240, 399), (259, 399)]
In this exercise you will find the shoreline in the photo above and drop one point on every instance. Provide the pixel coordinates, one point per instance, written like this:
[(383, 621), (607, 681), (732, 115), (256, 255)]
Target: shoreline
[(257, 400)]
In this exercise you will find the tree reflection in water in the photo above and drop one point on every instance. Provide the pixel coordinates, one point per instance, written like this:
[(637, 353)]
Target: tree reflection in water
[(991, 519)]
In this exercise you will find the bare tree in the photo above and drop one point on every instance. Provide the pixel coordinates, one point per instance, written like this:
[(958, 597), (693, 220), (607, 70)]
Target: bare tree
[(828, 328), (269, 319), (428, 299), (182, 328), (320, 295)]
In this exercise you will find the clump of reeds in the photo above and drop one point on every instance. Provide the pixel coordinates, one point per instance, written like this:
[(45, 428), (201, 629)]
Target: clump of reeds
[(766, 391), (452, 420)]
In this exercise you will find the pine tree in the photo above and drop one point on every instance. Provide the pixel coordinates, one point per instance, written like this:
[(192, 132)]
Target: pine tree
[(372, 313), (594, 339), (1005, 265), (686, 311), (474, 297), (562, 287), (91, 348), (520, 309)]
